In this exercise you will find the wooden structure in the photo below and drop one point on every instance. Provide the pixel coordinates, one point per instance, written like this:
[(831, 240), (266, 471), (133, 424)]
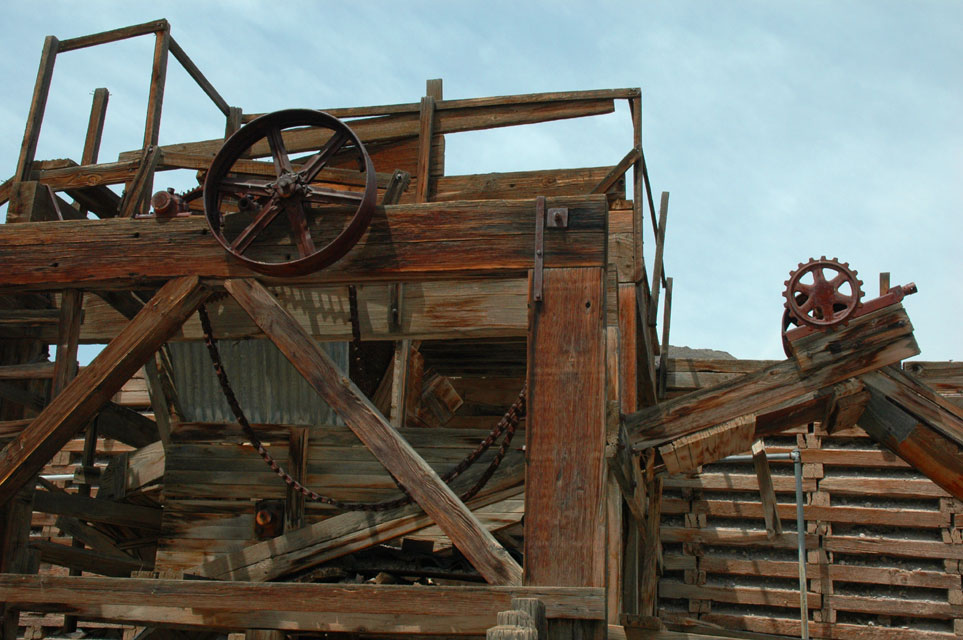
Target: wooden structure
[(463, 291)]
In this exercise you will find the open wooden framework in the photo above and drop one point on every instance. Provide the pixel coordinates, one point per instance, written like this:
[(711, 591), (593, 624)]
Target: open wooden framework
[(453, 268)]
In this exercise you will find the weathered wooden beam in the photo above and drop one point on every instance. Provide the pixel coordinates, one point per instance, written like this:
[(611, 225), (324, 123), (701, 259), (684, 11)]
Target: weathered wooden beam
[(85, 395), (767, 494), (377, 609), (491, 101), (38, 104), (925, 435), (71, 313), (31, 371), (428, 241), (565, 432), (479, 308), (395, 127), (822, 359), (93, 510), (113, 35), (392, 450), (349, 532)]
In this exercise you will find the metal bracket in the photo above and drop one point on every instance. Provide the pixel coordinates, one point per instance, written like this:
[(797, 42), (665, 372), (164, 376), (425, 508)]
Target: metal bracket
[(537, 286), (555, 218)]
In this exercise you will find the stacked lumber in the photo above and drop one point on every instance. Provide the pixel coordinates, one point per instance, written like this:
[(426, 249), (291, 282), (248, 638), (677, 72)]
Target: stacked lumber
[(883, 541)]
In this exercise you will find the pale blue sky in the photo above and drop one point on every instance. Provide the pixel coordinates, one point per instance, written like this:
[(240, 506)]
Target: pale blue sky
[(782, 130)]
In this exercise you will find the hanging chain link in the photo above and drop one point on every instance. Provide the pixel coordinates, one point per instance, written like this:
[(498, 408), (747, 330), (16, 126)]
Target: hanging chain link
[(507, 425)]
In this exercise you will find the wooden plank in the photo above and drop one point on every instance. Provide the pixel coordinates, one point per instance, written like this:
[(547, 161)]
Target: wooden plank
[(688, 453), (436, 240), (565, 437), (93, 510), (38, 104), (319, 608), (425, 132), (767, 492), (739, 595), (516, 184), (870, 342), (30, 371), (404, 463), (843, 573), (25, 456), (71, 313), (113, 35), (395, 127)]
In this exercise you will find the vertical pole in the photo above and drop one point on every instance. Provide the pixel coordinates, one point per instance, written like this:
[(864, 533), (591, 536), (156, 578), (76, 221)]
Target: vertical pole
[(635, 105), (801, 537)]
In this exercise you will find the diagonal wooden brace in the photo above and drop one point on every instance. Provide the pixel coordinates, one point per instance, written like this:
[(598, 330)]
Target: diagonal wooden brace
[(26, 455), (387, 445)]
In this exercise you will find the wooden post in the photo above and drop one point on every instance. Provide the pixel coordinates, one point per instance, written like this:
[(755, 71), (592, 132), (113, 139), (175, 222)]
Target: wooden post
[(635, 106), (95, 131), (71, 314), (385, 443), (37, 106), (564, 481)]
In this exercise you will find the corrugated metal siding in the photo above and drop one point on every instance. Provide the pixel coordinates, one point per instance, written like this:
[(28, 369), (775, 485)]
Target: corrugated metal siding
[(268, 387)]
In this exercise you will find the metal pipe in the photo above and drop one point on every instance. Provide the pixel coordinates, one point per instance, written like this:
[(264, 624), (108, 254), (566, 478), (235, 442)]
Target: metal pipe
[(769, 456), (801, 536)]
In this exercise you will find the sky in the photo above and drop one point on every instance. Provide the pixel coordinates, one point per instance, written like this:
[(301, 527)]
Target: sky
[(782, 130)]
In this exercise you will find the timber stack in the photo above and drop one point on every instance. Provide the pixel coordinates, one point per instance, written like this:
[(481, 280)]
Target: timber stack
[(343, 393)]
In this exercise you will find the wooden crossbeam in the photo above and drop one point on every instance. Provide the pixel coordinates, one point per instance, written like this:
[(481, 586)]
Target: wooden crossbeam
[(427, 241), (385, 443), (398, 126), (822, 359), (319, 608), (26, 455)]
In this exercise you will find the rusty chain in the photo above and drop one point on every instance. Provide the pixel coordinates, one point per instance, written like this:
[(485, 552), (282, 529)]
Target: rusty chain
[(507, 425)]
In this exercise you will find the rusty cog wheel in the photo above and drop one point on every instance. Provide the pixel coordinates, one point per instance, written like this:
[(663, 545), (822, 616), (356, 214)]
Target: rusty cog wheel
[(822, 293)]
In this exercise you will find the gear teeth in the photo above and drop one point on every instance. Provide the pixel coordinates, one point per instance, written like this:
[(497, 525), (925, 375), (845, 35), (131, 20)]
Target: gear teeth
[(823, 258)]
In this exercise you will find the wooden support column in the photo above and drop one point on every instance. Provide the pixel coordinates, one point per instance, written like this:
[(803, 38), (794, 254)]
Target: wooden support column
[(26, 455), (613, 493), (564, 481), (385, 443)]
